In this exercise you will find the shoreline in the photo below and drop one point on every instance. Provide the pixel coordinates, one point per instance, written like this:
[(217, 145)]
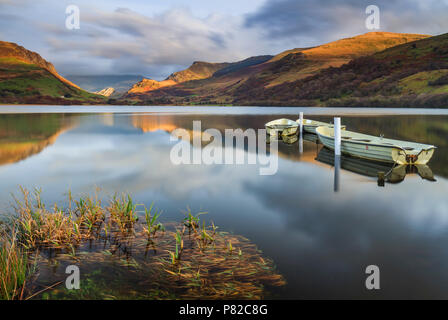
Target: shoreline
[(210, 110)]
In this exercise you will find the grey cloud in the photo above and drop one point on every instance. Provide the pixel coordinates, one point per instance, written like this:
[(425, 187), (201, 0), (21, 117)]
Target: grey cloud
[(131, 41), (325, 20)]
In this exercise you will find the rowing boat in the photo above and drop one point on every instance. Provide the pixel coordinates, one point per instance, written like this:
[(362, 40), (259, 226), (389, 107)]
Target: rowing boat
[(284, 127), (377, 148), (311, 125)]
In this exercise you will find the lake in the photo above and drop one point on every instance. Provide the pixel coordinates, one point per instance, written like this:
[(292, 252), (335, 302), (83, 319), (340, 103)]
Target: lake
[(320, 240)]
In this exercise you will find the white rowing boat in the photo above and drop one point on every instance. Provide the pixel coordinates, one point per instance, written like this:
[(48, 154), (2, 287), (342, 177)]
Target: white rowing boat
[(377, 148), (311, 125), (283, 127)]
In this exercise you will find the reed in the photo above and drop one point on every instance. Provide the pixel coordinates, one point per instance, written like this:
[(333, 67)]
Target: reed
[(152, 225), (14, 267), (85, 218), (123, 212), (223, 272), (192, 222), (90, 215), (39, 227), (200, 263), (179, 248), (205, 237)]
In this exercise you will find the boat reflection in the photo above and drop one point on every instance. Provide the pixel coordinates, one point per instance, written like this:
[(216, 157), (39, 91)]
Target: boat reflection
[(288, 140), (383, 171)]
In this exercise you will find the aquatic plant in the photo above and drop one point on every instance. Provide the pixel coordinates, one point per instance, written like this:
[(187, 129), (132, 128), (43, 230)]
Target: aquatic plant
[(183, 273), (152, 226), (90, 214), (175, 256), (218, 273), (38, 226), (191, 221), (14, 267), (123, 212), (205, 237), (188, 260)]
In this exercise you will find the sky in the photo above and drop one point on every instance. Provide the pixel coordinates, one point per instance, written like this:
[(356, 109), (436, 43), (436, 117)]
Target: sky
[(155, 38)]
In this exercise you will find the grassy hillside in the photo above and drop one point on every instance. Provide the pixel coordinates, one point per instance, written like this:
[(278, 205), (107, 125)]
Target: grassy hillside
[(198, 70), (9, 50), (300, 63), (29, 84), (259, 83), (409, 75), (191, 76), (26, 78)]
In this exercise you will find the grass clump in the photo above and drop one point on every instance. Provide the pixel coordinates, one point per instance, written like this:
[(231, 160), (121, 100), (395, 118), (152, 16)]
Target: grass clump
[(41, 227), (123, 212), (152, 225), (14, 267)]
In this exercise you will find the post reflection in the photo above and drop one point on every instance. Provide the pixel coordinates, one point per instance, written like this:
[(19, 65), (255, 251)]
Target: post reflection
[(337, 172)]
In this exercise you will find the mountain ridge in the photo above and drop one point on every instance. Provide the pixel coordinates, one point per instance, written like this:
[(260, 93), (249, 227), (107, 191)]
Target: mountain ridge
[(27, 78), (413, 74), (199, 70), (373, 69), (288, 66), (13, 50)]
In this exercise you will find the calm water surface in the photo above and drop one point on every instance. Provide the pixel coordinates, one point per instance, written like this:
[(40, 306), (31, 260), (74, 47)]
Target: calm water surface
[(320, 240)]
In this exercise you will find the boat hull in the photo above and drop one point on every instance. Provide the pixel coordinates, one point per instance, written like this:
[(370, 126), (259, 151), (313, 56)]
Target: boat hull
[(383, 154), (284, 127)]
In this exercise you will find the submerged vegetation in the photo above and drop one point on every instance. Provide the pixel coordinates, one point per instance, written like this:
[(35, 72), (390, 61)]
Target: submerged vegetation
[(124, 257)]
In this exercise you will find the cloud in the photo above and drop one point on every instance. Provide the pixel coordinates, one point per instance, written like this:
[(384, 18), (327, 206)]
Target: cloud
[(130, 41), (314, 21)]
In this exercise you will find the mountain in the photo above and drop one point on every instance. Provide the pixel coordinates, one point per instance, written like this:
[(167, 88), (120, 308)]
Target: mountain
[(27, 78), (147, 85), (107, 92), (197, 71), (95, 83), (243, 85), (300, 63), (409, 75), (377, 69), (9, 50)]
